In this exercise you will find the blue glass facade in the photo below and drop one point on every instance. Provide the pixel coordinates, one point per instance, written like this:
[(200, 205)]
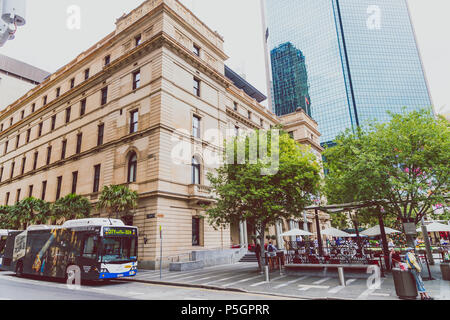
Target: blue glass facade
[(361, 59), (290, 80)]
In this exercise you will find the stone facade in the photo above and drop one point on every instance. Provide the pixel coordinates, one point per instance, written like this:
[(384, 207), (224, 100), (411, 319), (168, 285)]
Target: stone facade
[(147, 65)]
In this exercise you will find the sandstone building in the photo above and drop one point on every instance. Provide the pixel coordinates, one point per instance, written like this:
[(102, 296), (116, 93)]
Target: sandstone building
[(115, 115)]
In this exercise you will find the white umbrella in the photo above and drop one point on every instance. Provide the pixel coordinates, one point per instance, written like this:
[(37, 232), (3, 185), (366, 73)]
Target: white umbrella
[(375, 231), (354, 235), (296, 232), (436, 227), (333, 232)]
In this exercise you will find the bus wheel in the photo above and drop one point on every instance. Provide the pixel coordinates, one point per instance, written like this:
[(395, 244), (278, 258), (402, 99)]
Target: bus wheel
[(19, 269)]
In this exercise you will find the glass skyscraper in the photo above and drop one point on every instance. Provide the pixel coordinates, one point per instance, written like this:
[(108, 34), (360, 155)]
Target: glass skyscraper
[(359, 57)]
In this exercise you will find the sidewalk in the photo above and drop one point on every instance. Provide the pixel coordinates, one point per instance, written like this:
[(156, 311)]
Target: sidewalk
[(244, 277)]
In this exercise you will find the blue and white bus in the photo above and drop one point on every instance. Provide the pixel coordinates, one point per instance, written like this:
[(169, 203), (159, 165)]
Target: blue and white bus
[(100, 248)]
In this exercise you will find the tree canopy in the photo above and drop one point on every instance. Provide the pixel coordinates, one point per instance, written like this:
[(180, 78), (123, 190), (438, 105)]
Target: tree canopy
[(401, 166), (250, 189)]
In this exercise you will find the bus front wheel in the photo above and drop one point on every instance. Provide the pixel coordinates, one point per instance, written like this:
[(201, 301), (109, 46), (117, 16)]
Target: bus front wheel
[(19, 269)]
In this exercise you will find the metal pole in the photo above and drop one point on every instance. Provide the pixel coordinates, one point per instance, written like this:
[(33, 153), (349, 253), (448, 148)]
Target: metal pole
[(161, 252), (319, 236), (429, 251), (384, 242), (266, 270)]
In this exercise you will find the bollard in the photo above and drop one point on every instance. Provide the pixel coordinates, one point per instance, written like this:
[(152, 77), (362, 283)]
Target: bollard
[(281, 271), (266, 270), (341, 276)]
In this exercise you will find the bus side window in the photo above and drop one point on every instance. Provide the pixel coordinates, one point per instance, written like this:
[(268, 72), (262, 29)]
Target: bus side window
[(90, 247)]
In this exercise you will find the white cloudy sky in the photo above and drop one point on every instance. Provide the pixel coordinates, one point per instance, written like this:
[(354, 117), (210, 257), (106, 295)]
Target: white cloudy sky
[(47, 43)]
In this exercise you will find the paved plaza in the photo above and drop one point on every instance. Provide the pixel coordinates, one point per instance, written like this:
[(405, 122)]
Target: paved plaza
[(245, 277)]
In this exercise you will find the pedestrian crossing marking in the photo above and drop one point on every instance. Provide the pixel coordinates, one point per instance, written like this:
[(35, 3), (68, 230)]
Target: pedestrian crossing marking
[(305, 287), (339, 288), (290, 282), (321, 281), (240, 281)]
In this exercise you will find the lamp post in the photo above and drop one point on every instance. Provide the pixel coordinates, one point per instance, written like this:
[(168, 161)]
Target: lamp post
[(381, 211), (354, 217)]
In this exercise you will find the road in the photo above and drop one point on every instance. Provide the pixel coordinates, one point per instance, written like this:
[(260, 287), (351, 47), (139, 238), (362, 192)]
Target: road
[(14, 288)]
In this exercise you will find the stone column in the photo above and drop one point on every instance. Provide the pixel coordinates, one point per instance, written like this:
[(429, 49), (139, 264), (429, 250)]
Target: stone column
[(280, 241), (245, 234), (241, 234)]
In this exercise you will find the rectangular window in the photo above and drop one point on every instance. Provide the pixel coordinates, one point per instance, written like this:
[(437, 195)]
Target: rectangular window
[(49, 155), (1, 127), (86, 74), (12, 170), (235, 106), (1, 174), (7, 199), (196, 126), (6, 147), (68, 111), (44, 101), (18, 195), (30, 191), (136, 80), (101, 131), (96, 178), (33, 107), (44, 189), (74, 182), (28, 135), (36, 155), (40, 129), (11, 121), (104, 96), (134, 117), (22, 169), (22, 114), (17, 141), (82, 107), (197, 87), (53, 122), (196, 50), (249, 115), (58, 187), (58, 92), (107, 60), (79, 141), (195, 231), (138, 40), (63, 149), (72, 83)]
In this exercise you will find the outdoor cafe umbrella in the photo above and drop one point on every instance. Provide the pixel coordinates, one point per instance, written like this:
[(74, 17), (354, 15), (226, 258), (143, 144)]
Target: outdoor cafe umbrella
[(436, 227), (375, 231), (296, 232), (333, 232), (354, 235)]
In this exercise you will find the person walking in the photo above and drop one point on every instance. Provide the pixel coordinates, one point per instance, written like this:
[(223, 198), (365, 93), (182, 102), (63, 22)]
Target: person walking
[(415, 268)]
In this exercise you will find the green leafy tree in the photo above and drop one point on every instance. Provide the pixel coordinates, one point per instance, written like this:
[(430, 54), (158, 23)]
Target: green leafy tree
[(401, 166), (118, 200), (30, 211), (5, 218), (243, 193), (71, 207)]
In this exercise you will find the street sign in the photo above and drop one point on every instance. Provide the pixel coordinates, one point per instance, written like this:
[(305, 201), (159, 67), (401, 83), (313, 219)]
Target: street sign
[(410, 228)]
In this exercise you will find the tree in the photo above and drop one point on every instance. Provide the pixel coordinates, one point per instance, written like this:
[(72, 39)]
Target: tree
[(5, 218), (117, 199), (29, 211), (401, 165), (250, 192), (71, 207)]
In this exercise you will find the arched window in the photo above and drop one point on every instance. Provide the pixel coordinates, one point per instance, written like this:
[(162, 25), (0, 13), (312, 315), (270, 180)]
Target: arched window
[(195, 171), (132, 167)]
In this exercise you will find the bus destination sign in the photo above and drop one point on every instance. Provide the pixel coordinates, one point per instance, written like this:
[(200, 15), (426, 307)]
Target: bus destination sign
[(119, 232)]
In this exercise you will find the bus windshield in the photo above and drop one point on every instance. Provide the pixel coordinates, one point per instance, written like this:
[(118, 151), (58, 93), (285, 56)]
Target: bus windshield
[(2, 243), (119, 249)]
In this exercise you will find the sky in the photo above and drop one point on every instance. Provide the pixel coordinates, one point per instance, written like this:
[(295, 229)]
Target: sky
[(47, 42)]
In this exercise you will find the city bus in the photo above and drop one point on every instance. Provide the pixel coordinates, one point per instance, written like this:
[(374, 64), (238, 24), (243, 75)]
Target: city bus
[(101, 249), (3, 238)]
